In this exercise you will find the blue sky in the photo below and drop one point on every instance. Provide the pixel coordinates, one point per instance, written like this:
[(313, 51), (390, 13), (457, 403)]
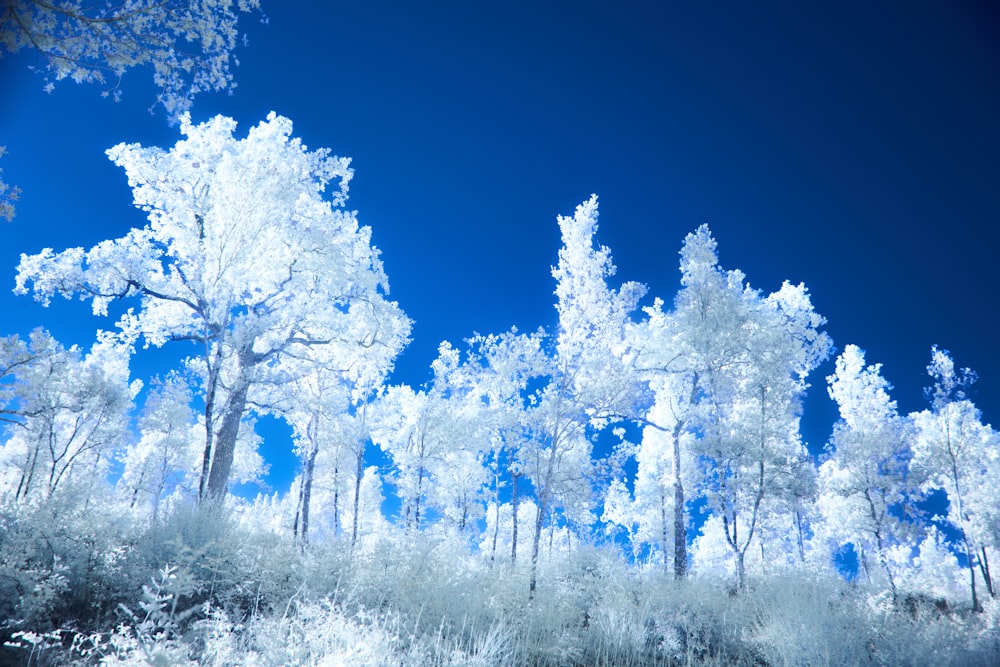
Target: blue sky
[(851, 146)]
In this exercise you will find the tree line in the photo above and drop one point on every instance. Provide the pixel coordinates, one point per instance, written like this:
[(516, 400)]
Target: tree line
[(252, 268)]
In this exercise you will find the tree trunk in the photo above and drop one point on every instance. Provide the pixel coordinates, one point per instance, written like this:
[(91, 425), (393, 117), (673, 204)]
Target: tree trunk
[(680, 525), (416, 501), (336, 496), (210, 392), (984, 566), (664, 535), (307, 482), (496, 521), (969, 555), (225, 442), (27, 474), (465, 513), (800, 539), (138, 487), (741, 570), (536, 543), (513, 504), (298, 508), (358, 472), (880, 546)]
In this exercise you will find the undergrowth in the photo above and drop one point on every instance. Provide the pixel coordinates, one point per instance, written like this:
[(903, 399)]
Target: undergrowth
[(202, 588)]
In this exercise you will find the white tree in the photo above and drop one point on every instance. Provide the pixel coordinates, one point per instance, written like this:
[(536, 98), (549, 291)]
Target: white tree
[(327, 409), (166, 453), (496, 374), (243, 256), (743, 359), (864, 482), (188, 44), (955, 452), (589, 379), (312, 406), (665, 467), (727, 371), (67, 412), (438, 443), (686, 356), (756, 451), (338, 441)]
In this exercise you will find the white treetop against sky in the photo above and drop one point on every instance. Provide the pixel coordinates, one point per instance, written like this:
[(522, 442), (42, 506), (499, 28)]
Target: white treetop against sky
[(244, 257)]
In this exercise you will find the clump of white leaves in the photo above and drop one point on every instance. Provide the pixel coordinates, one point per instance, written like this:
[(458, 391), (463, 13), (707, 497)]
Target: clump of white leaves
[(187, 43)]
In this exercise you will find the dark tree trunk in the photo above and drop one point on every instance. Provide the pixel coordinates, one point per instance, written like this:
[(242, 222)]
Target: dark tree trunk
[(680, 525), (536, 542), (664, 533), (513, 504), (225, 442), (336, 497), (210, 393), (984, 566), (801, 540), (305, 496), (28, 474)]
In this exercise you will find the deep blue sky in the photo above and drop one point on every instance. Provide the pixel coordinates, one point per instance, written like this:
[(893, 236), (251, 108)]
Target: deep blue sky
[(851, 146)]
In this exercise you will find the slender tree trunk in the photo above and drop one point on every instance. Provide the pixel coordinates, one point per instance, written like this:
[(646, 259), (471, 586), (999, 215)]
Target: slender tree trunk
[(336, 496), (29, 472), (664, 535), (135, 491), (801, 540), (962, 517), (513, 504), (416, 501), (307, 483), (970, 556), (465, 513), (552, 533), (358, 472), (984, 566), (880, 546), (298, 507), (542, 498), (680, 525), (164, 468), (536, 542), (496, 521)]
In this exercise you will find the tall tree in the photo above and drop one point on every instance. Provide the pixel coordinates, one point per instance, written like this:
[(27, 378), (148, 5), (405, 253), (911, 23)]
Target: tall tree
[(497, 372), (588, 381), (243, 256), (754, 450), (956, 453), (739, 362), (864, 482), (188, 44)]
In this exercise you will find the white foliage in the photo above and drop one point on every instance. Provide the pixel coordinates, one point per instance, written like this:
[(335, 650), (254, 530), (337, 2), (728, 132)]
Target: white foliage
[(188, 44), (864, 481), (244, 254)]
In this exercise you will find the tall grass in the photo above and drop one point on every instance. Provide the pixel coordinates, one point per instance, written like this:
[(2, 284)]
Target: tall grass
[(204, 589)]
